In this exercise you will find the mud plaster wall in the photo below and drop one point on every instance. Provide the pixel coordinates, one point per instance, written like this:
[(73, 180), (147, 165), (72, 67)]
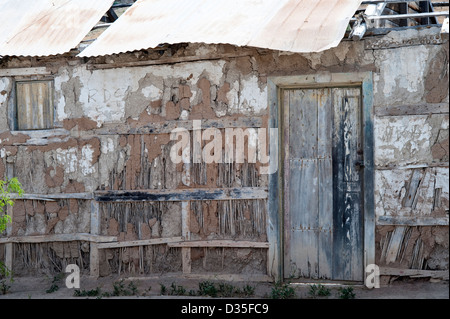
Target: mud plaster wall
[(110, 132)]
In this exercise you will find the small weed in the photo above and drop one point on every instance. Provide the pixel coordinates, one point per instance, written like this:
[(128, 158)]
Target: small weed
[(282, 291), (248, 290), (319, 290), (226, 290), (119, 289), (87, 293), (192, 293), (53, 288), (4, 287), (207, 288), (55, 283), (177, 290), (5, 276), (346, 293), (163, 289)]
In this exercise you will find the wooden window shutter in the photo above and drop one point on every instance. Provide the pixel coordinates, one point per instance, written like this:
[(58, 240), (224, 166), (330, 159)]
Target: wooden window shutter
[(34, 105)]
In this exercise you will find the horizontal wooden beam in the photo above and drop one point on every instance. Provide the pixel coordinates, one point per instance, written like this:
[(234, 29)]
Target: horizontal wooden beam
[(24, 71), (166, 127), (53, 197), (156, 195), (417, 109), (145, 242), (412, 221), (219, 277), (182, 194), (221, 243), (415, 273), (58, 238), (171, 60), (413, 166)]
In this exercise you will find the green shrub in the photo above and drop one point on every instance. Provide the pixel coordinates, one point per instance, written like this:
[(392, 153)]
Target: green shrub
[(282, 291)]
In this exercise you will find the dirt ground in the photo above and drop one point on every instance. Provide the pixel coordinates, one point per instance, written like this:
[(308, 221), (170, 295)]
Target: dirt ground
[(54, 288)]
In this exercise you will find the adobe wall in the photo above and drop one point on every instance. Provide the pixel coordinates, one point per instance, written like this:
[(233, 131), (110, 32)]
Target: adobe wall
[(113, 130)]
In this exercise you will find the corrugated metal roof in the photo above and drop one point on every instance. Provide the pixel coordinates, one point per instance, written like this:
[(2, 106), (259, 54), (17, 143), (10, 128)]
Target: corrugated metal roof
[(287, 25), (47, 27)]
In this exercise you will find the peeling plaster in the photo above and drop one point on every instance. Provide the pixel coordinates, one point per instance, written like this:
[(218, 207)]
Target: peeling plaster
[(246, 96), (402, 140)]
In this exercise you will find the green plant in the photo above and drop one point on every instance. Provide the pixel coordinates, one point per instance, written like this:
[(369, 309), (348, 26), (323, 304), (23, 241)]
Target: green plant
[(207, 288), (4, 287), (6, 188), (87, 293), (119, 289), (282, 291), (319, 290), (248, 290), (6, 276), (177, 290), (346, 293), (163, 289), (226, 290), (53, 288), (55, 282)]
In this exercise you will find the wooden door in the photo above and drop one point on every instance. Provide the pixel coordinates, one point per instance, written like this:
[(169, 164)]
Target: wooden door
[(322, 184)]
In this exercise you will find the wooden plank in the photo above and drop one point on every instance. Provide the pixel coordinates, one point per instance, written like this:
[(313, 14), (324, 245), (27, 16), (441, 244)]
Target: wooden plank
[(171, 60), (186, 260), (351, 138), (94, 260), (58, 238), (24, 71), (352, 176), (274, 202), (417, 273), (324, 129), (413, 186), (286, 179), (325, 234), (143, 242), (167, 127), (220, 243), (369, 188), (325, 182), (182, 194), (220, 277), (52, 197), (95, 218), (412, 221), (414, 166), (347, 219), (303, 128), (395, 244), (94, 255), (185, 232), (302, 258), (9, 247)]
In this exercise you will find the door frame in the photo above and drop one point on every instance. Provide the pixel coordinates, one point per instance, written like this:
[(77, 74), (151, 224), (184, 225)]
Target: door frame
[(276, 189)]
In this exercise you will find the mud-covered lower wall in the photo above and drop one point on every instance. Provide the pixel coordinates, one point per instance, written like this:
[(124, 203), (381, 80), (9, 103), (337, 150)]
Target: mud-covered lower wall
[(112, 138)]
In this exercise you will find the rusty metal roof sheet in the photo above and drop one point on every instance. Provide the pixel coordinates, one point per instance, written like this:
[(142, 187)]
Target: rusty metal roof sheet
[(287, 25), (47, 27)]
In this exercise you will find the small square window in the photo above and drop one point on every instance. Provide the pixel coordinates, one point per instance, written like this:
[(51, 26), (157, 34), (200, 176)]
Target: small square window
[(34, 105)]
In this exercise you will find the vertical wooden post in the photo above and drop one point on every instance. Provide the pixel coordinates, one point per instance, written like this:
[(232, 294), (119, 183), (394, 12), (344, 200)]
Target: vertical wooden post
[(185, 251), (9, 246), (95, 230), (369, 174)]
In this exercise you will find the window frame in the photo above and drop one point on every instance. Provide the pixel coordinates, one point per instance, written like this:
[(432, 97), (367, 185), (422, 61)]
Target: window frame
[(13, 103)]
